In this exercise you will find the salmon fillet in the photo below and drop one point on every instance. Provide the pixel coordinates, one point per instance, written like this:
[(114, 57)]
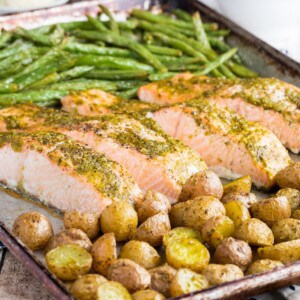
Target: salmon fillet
[(62, 173), (230, 145), (155, 160), (268, 101)]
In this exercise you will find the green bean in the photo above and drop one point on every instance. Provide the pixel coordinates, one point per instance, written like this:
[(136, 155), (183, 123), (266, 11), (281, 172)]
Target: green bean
[(57, 36), (129, 94), (19, 56), (129, 24), (199, 30), (241, 70), (183, 15), (217, 43), (49, 79), (4, 38), (117, 74), (12, 69), (167, 60), (75, 72), (8, 88), (227, 72), (43, 29), (97, 24), (14, 48), (33, 36), (161, 76), (70, 26), (128, 84), (112, 23), (181, 67), (218, 33), (163, 50)]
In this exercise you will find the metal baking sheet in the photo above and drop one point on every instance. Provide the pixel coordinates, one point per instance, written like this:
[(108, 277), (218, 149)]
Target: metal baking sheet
[(256, 54)]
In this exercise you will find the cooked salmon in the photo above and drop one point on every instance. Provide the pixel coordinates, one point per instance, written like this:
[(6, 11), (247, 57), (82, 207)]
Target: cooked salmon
[(155, 160), (62, 173), (268, 101)]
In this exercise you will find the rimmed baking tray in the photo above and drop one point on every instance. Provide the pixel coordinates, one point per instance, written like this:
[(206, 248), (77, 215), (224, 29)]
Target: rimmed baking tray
[(256, 54)]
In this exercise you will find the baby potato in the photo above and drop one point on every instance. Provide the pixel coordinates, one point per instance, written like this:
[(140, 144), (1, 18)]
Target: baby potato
[(33, 229), (147, 295), (88, 222), (292, 195), (153, 230), (141, 253), (241, 185), (112, 290), (271, 210), (86, 287), (255, 232), (237, 212), (204, 183), (152, 204), (216, 229), (247, 199), (286, 230), (289, 177), (179, 233), (218, 274), (69, 262), (194, 213), (119, 218), (232, 251), (263, 265), (129, 274), (187, 253), (285, 252), (187, 281), (104, 253), (296, 214), (69, 236)]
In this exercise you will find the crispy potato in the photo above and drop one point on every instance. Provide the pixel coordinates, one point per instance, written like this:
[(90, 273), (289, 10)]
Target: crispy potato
[(112, 290), (86, 287), (285, 252), (218, 274), (153, 230), (147, 295), (216, 229), (161, 278), (204, 183), (237, 212), (292, 195), (247, 199), (33, 229), (69, 236), (241, 185), (152, 204), (104, 253), (194, 213), (187, 253), (88, 222), (255, 232), (141, 253), (187, 281), (271, 210), (286, 230), (181, 232), (263, 265), (119, 218), (296, 214), (232, 251), (130, 274), (69, 262), (289, 177)]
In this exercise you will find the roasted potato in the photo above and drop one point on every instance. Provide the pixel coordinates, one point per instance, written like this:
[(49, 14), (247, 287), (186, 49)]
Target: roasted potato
[(232, 251), (204, 183), (112, 290), (147, 295), (296, 214), (216, 229), (255, 232), (69, 236), (263, 265), (104, 253), (194, 213), (152, 204), (241, 185), (271, 210), (119, 218), (86, 287), (161, 278), (285, 252), (187, 281), (237, 212), (292, 195), (88, 222), (153, 230), (141, 253), (247, 199), (33, 229), (129, 274), (187, 253), (218, 274), (289, 177), (286, 230), (69, 262)]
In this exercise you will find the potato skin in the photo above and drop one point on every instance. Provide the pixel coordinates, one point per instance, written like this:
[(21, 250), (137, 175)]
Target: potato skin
[(263, 265), (129, 274), (33, 229), (141, 253), (286, 230), (241, 185), (247, 199), (119, 218), (289, 177), (292, 195), (204, 183), (296, 214), (147, 295), (114, 289), (232, 251)]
